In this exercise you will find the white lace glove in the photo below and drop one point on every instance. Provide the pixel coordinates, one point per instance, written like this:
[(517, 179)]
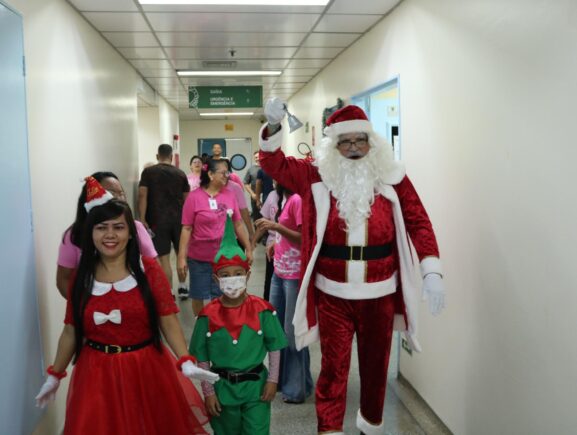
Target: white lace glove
[(434, 292), (191, 371), (47, 391), (275, 110)]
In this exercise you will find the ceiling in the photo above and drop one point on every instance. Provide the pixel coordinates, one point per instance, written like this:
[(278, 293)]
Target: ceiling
[(298, 40)]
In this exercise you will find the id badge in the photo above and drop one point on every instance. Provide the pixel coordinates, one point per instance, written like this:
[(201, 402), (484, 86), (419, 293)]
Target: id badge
[(212, 204)]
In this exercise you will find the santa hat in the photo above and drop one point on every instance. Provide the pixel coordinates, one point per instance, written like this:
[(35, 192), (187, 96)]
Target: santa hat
[(95, 194), (229, 254), (349, 119)]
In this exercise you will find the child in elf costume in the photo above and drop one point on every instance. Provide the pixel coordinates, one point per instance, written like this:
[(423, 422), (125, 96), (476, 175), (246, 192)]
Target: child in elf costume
[(231, 336)]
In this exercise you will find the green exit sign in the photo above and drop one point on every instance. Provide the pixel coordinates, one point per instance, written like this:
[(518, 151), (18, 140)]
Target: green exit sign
[(222, 97)]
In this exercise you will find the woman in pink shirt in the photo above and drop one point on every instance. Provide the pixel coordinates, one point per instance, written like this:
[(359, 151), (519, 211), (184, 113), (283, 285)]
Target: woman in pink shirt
[(69, 250), (195, 170), (203, 220), (295, 381)]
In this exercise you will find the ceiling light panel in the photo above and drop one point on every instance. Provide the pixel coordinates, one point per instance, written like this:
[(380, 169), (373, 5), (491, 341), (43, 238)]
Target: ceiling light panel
[(229, 22), (230, 39), (237, 73), (117, 21), (208, 114), (243, 64), (251, 53), (346, 23)]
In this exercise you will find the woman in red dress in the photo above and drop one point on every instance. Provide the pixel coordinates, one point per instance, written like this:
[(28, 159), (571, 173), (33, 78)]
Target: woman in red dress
[(125, 381)]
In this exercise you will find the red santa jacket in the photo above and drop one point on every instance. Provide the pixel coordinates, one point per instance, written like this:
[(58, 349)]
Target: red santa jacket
[(410, 219)]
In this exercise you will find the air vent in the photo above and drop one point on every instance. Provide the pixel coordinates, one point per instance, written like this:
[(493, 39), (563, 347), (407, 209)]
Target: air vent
[(219, 64)]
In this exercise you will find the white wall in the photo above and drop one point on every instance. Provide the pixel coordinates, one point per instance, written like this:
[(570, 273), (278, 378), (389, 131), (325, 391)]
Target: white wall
[(81, 118), (191, 131), (488, 95)]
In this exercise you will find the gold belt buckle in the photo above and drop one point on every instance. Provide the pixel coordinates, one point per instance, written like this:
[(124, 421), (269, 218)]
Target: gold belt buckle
[(112, 348), (361, 253)]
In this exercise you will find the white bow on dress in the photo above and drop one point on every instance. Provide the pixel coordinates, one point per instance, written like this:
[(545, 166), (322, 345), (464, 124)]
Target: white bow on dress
[(114, 316)]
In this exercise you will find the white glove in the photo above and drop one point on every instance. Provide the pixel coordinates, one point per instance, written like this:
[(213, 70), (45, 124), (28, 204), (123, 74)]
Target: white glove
[(275, 110), (434, 292), (191, 371), (48, 391)]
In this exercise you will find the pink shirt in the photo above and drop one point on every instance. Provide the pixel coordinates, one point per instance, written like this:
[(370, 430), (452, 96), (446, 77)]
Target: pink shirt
[(287, 255), (69, 253), (268, 211), (234, 177), (193, 181), (238, 193), (207, 223)]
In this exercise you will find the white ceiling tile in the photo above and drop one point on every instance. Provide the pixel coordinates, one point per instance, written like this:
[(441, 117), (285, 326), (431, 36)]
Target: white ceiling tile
[(346, 23), (117, 21), (163, 81), (293, 79), (104, 5), (318, 52), (223, 52), (308, 63), (229, 39), (299, 72), (362, 6), (242, 22), (131, 39), (142, 52), (151, 63), (330, 39)]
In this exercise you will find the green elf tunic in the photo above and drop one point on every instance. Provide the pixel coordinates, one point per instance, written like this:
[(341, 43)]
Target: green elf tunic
[(238, 339)]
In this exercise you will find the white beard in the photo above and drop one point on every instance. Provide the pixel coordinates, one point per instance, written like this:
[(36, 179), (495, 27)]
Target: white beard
[(353, 182)]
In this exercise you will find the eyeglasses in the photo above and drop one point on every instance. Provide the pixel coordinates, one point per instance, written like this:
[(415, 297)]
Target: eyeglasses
[(348, 143)]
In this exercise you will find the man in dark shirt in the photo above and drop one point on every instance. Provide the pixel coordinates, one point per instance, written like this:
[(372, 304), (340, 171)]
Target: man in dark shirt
[(264, 186), (250, 186), (161, 194)]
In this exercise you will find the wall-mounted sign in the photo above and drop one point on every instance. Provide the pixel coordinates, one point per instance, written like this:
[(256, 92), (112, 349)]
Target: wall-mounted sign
[(228, 127), (222, 97)]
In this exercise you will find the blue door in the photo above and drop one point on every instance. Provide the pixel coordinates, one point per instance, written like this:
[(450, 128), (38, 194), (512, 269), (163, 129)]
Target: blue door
[(20, 352)]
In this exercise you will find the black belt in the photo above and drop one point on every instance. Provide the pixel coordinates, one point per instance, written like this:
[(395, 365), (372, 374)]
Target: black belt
[(115, 348), (236, 377), (356, 253)]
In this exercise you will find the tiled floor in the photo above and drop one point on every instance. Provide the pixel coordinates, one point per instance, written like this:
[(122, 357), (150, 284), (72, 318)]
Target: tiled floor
[(409, 416)]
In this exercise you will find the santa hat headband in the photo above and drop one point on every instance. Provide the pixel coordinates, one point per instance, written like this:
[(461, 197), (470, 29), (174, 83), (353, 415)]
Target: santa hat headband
[(95, 194), (349, 119), (229, 254)]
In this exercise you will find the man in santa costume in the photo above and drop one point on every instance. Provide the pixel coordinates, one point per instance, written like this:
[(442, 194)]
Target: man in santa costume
[(358, 271)]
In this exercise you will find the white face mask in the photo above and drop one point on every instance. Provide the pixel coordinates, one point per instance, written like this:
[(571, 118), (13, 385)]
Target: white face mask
[(233, 286)]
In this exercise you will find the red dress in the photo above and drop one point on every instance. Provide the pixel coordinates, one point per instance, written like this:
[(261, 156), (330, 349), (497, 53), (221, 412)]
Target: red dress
[(132, 393)]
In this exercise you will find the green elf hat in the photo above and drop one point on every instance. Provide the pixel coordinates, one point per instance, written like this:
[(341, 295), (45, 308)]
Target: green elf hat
[(229, 254)]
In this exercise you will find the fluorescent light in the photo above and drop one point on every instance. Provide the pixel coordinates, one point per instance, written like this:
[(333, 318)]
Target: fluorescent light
[(227, 114), (237, 2), (190, 73)]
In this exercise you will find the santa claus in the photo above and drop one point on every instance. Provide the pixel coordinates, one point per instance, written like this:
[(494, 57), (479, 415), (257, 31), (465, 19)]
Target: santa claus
[(358, 273)]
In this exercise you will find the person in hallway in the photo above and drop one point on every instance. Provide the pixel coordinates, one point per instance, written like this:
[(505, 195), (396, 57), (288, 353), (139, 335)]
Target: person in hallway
[(161, 194), (69, 250), (234, 333), (195, 170), (357, 270), (118, 305), (296, 382), (264, 186), (242, 205), (250, 186), (203, 218), (217, 151), (267, 211)]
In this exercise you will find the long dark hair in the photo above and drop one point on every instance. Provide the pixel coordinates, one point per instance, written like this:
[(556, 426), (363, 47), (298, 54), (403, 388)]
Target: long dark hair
[(82, 287), (281, 191), (211, 166), (78, 225)]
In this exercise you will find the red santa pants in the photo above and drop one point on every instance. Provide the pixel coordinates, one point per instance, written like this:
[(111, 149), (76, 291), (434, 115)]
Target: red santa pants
[(339, 319)]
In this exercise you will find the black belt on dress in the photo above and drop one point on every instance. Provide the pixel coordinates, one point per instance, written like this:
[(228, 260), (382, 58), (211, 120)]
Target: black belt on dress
[(356, 253), (115, 348), (236, 377)]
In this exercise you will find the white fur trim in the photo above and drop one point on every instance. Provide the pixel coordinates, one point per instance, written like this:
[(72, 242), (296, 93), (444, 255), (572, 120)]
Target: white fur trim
[(271, 144), (356, 291), (431, 265), (353, 126), (98, 201), (356, 272), (368, 428), (302, 332)]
